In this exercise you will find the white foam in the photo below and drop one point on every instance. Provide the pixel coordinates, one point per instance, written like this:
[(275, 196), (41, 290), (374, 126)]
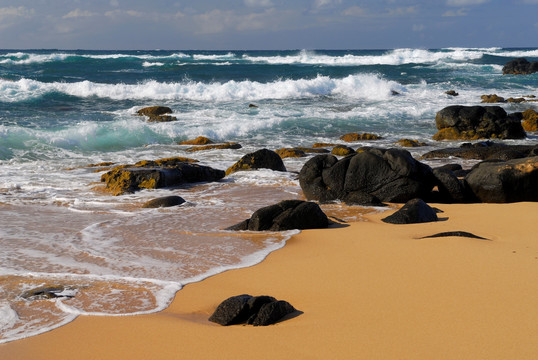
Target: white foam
[(8, 316), (214, 57), (149, 64), (22, 58)]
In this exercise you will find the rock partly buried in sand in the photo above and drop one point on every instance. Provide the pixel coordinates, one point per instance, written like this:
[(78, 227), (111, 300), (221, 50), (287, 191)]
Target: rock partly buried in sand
[(157, 174), (410, 143), (455, 234), (228, 145), (389, 175), (286, 215), (353, 137), (413, 212), (505, 181), (520, 66), (157, 113), (290, 152), (254, 310), (530, 120), (486, 150), (261, 159), (342, 150), (492, 99), (459, 122), (165, 201), (200, 140), (49, 292)]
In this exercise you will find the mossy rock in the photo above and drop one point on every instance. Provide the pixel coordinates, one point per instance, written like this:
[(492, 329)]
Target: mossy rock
[(323, 145), (515, 100), (229, 145), (410, 143), (353, 137), (530, 120), (491, 99), (342, 150), (156, 113), (166, 162), (261, 159), (290, 152), (313, 150), (200, 140)]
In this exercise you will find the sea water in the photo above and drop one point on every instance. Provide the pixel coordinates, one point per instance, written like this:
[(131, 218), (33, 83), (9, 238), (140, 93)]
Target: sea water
[(63, 110)]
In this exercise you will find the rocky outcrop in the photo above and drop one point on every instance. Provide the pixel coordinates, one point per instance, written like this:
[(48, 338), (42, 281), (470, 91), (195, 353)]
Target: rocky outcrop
[(261, 159), (530, 120), (254, 310), (200, 140), (520, 66), (228, 145), (388, 175), (486, 150), (286, 215), (157, 174), (492, 99), (505, 181), (459, 122), (413, 212), (353, 137), (165, 201), (157, 113)]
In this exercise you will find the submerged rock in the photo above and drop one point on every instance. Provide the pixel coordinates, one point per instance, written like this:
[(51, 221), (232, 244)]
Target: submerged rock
[(166, 201), (156, 113)]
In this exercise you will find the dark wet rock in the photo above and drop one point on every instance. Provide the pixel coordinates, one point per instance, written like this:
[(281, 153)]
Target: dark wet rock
[(413, 212), (313, 150), (353, 137), (157, 113), (449, 167), (252, 106), (254, 310), (290, 152), (261, 159), (228, 145), (323, 145), (410, 143), (450, 188), (286, 215), (47, 292), (166, 201), (157, 174), (451, 93), (483, 151), (505, 181), (515, 100), (492, 99), (530, 120), (390, 175), (271, 312), (361, 198), (455, 233), (520, 66), (200, 140), (459, 122), (342, 150)]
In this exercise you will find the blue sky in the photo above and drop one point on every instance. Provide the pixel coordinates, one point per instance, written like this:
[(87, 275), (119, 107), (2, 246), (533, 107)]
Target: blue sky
[(267, 24)]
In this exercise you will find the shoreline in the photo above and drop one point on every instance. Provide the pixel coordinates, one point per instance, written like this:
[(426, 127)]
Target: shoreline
[(367, 290)]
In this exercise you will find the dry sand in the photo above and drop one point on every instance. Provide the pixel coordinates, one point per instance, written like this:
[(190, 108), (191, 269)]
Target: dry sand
[(367, 291)]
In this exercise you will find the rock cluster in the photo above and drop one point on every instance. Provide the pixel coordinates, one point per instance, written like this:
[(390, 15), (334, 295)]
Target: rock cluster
[(459, 122), (520, 66), (286, 215), (253, 310)]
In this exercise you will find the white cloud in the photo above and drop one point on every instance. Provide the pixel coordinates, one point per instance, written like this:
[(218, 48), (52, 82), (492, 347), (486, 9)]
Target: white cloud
[(465, 2), (7, 13), (459, 12), (77, 13), (260, 3), (124, 13), (326, 3), (354, 11)]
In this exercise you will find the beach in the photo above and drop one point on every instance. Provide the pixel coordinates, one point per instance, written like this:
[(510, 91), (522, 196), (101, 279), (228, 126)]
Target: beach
[(365, 290)]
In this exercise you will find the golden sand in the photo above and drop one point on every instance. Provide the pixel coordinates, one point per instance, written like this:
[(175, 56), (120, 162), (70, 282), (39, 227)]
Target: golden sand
[(369, 290)]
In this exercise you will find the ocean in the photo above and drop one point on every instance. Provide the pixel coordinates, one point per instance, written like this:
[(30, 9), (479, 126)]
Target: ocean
[(61, 111)]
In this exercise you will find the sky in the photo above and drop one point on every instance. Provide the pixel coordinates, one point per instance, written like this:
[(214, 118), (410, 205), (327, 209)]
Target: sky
[(266, 24)]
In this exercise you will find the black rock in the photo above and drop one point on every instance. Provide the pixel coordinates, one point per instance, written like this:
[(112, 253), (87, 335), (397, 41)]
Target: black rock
[(271, 313), (166, 201), (455, 233), (450, 188), (483, 151), (234, 310), (520, 66), (261, 159), (414, 211), (505, 181)]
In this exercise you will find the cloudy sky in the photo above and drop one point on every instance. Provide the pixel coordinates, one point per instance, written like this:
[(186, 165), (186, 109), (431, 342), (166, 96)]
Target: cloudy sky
[(267, 24)]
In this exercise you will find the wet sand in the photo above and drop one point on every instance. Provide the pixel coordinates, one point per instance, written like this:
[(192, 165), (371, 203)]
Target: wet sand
[(366, 290)]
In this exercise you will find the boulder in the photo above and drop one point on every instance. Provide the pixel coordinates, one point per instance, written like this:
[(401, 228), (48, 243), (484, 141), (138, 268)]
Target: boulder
[(166, 201), (515, 100), (323, 145), (410, 143), (520, 66), (342, 150), (413, 212), (492, 99), (254, 310), (353, 137), (530, 120), (505, 181), (451, 93), (157, 174), (486, 150), (156, 113), (228, 145), (389, 175), (200, 140), (290, 152), (450, 189), (459, 122), (261, 159), (286, 215)]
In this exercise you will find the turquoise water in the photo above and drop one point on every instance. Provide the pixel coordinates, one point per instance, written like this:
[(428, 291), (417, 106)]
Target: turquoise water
[(62, 110)]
